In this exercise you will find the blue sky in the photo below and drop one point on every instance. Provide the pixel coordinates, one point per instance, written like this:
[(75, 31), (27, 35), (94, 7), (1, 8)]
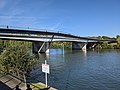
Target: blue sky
[(78, 17)]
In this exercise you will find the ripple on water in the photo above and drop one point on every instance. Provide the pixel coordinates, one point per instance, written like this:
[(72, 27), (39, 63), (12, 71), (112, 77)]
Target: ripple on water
[(92, 70)]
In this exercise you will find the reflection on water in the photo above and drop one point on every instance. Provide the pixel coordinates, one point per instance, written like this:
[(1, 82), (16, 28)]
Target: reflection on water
[(81, 70)]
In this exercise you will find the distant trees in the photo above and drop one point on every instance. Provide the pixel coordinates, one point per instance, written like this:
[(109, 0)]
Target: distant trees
[(66, 45), (113, 45), (117, 36), (10, 43), (118, 40), (106, 37)]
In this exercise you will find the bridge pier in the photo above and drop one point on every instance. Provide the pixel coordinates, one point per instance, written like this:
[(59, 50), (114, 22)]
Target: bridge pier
[(40, 47), (79, 45), (83, 45), (91, 45)]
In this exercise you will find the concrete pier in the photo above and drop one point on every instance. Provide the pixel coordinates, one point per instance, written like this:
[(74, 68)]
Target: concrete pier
[(79, 46), (40, 47)]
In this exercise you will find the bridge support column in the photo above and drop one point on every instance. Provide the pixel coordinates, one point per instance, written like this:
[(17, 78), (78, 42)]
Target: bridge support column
[(79, 46), (91, 45), (40, 47), (94, 45)]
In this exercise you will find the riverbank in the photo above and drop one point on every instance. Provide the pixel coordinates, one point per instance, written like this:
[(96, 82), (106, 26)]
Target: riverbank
[(8, 82)]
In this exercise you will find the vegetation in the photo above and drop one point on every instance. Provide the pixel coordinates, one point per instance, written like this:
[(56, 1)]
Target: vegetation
[(66, 45), (38, 86), (118, 44), (113, 45), (15, 57)]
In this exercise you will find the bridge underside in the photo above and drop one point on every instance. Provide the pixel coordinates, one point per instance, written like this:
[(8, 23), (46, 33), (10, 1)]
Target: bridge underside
[(42, 44), (43, 47), (40, 47), (42, 39), (83, 45)]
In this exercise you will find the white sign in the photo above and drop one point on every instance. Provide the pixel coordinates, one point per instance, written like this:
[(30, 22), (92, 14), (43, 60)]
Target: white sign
[(45, 68)]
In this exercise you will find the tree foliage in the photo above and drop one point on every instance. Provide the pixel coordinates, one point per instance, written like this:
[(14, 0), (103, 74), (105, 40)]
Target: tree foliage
[(66, 45), (17, 56)]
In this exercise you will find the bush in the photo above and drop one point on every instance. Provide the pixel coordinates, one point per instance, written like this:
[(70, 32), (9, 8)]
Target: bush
[(17, 57)]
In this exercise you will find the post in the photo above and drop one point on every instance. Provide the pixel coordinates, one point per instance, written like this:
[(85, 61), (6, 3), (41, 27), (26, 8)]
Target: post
[(63, 52), (63, 49), (46, 75), (45, 69)]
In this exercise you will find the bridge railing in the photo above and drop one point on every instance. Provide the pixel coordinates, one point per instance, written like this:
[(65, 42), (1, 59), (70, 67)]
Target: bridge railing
[(41, 32), (29, 28)]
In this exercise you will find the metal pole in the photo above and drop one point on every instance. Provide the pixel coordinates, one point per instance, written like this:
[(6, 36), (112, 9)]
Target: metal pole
[(46, 78), (46, 75), (63, 52), (63, 49)]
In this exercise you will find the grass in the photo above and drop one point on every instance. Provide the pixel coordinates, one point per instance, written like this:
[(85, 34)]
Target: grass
[(37, 86)]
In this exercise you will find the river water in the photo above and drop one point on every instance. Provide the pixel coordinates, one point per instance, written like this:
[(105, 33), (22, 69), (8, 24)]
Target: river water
[(81, 70)]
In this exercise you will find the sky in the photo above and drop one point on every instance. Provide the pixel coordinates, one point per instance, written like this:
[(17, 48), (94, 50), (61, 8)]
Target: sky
[(77, 17)]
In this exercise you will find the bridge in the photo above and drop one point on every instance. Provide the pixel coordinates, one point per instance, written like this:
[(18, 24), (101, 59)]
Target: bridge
[(41, 40)]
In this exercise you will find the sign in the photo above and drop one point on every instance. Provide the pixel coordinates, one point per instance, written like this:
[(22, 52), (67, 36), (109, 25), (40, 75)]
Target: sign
[(45, 68)]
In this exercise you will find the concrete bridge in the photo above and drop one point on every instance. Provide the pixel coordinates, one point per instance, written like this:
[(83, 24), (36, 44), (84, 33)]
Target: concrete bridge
[(41, 40)]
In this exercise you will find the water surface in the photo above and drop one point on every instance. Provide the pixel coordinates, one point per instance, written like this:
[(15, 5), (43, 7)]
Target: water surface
[(80, 70)]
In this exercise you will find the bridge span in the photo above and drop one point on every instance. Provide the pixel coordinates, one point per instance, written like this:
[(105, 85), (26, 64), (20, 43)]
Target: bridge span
[(43, 39)]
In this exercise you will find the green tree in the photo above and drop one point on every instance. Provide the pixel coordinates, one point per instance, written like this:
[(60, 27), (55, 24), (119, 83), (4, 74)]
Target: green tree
[(105, 37), (17, 57), (117, 36), (118, 43)]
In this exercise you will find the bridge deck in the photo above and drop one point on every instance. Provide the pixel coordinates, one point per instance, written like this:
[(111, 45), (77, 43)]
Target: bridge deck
[(32, 35)]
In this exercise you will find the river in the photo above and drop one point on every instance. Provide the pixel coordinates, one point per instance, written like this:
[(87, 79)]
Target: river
[(81, 70)]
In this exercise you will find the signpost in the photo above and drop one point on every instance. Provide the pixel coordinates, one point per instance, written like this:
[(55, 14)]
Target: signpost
[(46, 70)]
